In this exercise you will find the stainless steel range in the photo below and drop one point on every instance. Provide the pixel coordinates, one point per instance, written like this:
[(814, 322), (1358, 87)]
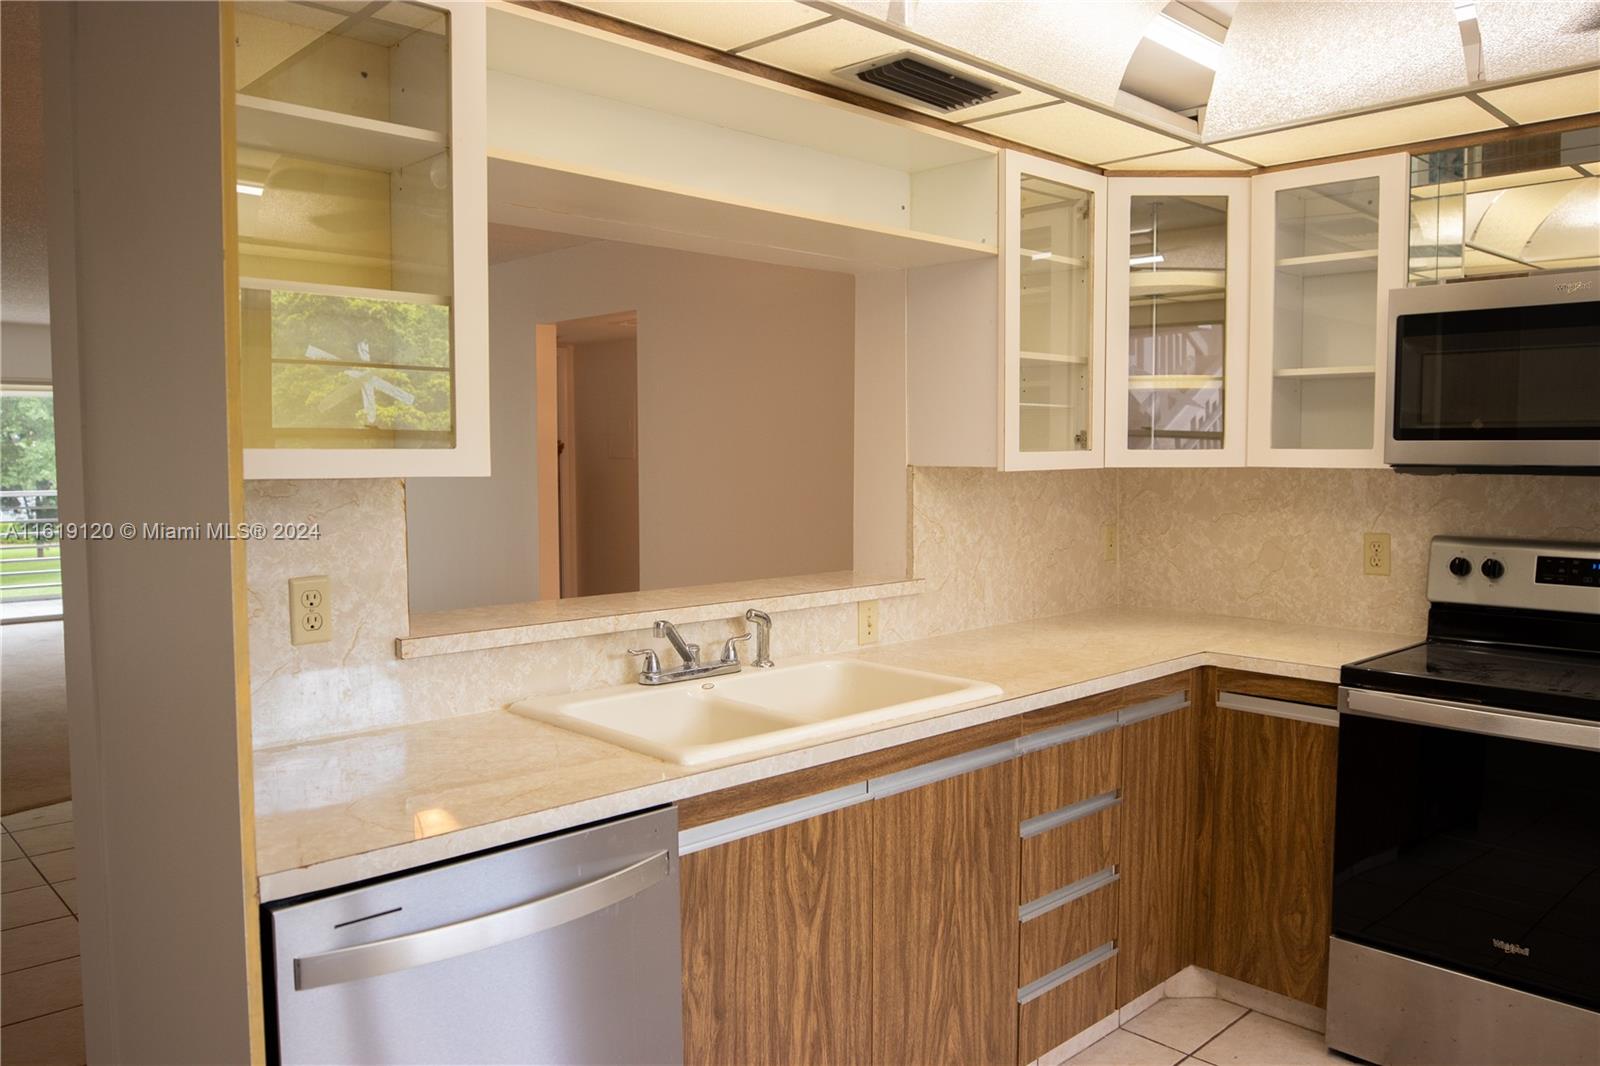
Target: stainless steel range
[(1466, 896)]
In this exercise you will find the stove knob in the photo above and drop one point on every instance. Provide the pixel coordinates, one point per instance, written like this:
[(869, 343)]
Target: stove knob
[(1493, 569), (1461, 566)]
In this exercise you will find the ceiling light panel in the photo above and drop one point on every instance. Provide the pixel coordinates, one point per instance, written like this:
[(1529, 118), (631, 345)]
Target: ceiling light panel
[(1522, 38), (1175, 36), (724, 24), (1078, 133), (1358, 133), (821, 50), (1293, 61), (1536, 101), (1081, 48), (1182, 159)]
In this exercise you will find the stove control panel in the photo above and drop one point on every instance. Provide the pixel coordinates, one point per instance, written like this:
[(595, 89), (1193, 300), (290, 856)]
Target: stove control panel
[(1529, 574)]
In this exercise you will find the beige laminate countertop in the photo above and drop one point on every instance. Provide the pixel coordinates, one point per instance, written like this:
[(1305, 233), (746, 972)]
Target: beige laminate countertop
[(337, 810)]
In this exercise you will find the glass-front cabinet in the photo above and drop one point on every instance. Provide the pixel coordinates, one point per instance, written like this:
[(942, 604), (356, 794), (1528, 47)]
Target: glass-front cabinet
[(361, 233), (1054, 333), (1328, 243), (1176, 320)]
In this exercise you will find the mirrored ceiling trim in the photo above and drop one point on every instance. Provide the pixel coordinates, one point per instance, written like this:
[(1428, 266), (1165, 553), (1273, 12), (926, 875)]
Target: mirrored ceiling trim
[(1519, 38), (1182, 160), (1297, 62), (727, 25)]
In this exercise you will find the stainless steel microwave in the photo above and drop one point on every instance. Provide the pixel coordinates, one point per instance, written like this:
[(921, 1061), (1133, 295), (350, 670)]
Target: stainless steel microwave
[(1493, 374)]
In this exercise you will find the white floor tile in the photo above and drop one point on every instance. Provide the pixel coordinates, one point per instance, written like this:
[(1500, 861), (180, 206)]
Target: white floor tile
[(51, 815), (1123, 1048), (17, 874), (58, 865), (1185, 1024), (45, 838), (30, 905), (1257, 1040)]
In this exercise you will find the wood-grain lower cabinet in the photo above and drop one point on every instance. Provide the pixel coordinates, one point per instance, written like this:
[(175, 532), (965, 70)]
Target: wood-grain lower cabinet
[(1266, 835), (1156, 908), (778, 945), (944, 921)]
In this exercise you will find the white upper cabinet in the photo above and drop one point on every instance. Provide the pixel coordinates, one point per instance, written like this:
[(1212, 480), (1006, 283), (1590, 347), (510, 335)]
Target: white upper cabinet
[(1177, 321), (1053, 331), (362, 239), (1327, 243)]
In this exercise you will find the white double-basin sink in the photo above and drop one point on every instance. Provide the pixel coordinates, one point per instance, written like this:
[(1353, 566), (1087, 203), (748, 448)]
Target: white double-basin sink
[(736, 715)]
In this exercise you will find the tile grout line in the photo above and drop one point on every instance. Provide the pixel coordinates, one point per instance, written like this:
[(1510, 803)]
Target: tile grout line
[(1195, 1054), (1203, 1043), (46, 1014)]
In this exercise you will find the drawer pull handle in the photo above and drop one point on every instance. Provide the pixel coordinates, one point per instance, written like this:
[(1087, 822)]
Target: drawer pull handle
[(1063, 896), (1043, 823), (1034, 989)]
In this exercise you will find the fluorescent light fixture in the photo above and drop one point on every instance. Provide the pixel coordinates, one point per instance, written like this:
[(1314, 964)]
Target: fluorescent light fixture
[(1172, 34), (1036, 256), (1466, 11), (250, 188), (1146, 260)]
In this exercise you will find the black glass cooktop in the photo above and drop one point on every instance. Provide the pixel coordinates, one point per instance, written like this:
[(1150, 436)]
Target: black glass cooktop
[(1565, 683)]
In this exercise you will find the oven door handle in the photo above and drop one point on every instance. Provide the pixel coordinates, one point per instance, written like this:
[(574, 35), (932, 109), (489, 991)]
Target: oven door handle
[(1489, 721)]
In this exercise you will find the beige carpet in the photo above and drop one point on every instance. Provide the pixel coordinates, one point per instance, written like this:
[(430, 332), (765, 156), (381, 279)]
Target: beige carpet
[(33, 717)]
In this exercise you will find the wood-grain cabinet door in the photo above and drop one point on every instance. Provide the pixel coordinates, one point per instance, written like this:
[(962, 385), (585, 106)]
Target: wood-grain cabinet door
[(944, 921), (1156, 897), (777, 945), (1267, 828)]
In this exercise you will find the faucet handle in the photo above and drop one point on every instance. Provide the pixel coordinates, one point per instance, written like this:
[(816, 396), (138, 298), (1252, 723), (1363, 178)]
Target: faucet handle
[(652, 661), (730, 648)]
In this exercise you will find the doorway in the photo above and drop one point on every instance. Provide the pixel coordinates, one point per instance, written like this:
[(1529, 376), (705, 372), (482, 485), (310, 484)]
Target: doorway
[(592, 548)]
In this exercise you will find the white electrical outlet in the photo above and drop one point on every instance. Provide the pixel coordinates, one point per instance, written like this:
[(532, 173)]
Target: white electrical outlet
[(310, 610), (867, 622)]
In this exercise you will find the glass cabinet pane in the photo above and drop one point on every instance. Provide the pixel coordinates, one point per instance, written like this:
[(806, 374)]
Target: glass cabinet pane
[(343, 175), (1055, 318), (1325, 313), (1177, 299)]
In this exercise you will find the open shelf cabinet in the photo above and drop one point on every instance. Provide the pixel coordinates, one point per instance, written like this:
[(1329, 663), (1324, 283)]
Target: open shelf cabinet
[(361, 241), (1329, 242)]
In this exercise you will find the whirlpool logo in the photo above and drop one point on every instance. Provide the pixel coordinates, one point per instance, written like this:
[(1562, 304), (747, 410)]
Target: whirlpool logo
[(1509, 948), (1567, 288)]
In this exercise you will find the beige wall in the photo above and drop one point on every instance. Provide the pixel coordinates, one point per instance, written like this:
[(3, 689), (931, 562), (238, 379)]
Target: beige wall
[(24, 353), (1286, 544), (746, 385)]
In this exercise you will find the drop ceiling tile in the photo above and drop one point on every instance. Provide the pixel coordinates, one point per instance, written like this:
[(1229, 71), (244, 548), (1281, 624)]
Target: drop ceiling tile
[(1533, 36), (821, 50), (1536, 101), (1079, 133), (1182, 159), (1359, 133), (724, 24), (1289, 62)]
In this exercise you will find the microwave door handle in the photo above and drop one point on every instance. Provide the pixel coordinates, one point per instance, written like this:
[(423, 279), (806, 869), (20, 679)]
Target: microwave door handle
[(1513, 725), (476, 934)]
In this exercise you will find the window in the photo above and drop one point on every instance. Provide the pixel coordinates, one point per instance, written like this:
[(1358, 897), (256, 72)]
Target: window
[(30, 552)]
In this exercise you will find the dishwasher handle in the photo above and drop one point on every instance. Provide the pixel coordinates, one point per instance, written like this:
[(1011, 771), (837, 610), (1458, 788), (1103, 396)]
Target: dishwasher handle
[(484, 931)]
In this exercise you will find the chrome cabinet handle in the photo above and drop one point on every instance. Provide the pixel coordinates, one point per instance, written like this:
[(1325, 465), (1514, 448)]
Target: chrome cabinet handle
[(476, 934)]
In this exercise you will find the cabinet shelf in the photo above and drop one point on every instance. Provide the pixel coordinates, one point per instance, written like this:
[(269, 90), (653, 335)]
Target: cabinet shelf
[(551, 195), (350, 292), (332, 136), (1352, 262), (1324, 372), (1054, 357), (1048, 406), (1174, 381)]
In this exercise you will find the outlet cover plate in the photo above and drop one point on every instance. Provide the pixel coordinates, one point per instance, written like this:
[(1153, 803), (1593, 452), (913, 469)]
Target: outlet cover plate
[(310, 610), (1375, 554), (867, 622)]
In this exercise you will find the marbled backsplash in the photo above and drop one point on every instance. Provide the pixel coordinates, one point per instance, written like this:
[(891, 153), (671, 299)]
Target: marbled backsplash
[(1285, 545), (993, 548)]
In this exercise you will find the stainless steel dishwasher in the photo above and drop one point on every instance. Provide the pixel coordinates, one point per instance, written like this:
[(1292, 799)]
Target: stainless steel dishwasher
[(562, 951)]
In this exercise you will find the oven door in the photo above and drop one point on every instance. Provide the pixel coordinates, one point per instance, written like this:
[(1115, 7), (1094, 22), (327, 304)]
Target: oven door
[(1496, 373), (1470, 840)]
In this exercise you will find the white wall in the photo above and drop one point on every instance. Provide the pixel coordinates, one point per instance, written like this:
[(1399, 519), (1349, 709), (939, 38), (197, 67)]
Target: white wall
[(746, 412), (24, 353), (146, 397)]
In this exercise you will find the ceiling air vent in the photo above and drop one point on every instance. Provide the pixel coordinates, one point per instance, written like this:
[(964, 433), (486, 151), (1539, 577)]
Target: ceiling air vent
[(929, 84)]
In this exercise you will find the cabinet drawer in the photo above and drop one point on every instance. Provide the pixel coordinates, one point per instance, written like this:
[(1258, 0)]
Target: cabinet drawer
[(1067, 773), (1057, 857), (1066, 1010), (1068, 932)]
